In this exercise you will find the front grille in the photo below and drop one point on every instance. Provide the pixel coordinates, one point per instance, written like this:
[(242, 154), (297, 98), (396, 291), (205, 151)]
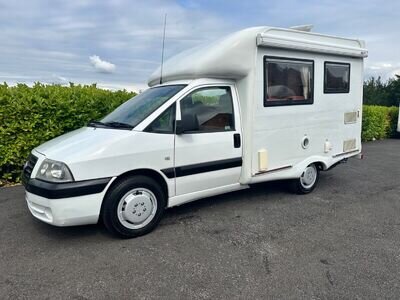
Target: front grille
[(28, 168)]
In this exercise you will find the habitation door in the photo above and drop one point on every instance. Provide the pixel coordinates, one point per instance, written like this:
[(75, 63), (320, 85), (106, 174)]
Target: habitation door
[(210, 154)]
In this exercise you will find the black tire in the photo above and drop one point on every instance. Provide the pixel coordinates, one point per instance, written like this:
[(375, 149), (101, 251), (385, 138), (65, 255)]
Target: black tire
[(298, 185), (109, 212)]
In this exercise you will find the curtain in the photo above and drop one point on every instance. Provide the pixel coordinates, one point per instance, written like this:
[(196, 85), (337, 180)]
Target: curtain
[(305, 78)]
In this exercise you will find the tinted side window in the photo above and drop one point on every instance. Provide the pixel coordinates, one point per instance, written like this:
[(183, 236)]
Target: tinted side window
[(212, 107), (165, 123), (337, 77), (288, 81)]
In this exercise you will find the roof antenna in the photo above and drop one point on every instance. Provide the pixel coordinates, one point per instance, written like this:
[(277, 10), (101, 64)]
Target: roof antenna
[(162, 51)]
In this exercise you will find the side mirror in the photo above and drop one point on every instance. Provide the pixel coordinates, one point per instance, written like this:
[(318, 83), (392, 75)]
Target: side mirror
[(188, 123)]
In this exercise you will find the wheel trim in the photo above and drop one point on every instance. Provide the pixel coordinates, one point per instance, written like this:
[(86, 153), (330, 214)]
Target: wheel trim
[(137, 208), (309, 176)]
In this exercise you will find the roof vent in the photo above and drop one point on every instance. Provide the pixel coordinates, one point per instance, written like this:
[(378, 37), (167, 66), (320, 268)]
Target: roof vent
[(306, 28)]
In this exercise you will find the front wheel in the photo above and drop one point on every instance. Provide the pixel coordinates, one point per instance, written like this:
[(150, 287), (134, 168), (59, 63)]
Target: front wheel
[(133, 207), (307, 181)]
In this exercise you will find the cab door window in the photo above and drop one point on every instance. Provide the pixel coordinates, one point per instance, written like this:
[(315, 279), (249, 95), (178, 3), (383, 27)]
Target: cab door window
[(211, 107)]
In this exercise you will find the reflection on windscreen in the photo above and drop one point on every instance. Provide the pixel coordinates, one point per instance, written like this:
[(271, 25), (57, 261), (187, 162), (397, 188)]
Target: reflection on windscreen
[(141, 106)]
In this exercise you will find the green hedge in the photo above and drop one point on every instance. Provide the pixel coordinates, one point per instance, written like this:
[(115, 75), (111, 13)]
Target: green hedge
[(30, 116), (379, 122)]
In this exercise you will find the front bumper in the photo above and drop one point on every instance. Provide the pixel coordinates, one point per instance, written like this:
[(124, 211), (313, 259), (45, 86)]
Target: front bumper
[(53, 190), (66, 204)]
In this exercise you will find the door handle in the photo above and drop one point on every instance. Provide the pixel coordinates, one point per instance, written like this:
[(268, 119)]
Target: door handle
[(236, 140)]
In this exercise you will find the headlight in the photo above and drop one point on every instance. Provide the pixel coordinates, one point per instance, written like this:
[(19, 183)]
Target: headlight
[(54, 171)]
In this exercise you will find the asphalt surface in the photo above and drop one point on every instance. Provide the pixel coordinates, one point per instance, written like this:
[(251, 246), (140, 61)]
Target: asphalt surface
[(341, 241)]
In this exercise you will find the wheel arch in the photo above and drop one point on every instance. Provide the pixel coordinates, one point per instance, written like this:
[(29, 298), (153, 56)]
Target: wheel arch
[(321, 165), (151, 173)]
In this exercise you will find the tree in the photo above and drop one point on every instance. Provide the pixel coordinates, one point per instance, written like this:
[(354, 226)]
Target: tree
[(382, 93)]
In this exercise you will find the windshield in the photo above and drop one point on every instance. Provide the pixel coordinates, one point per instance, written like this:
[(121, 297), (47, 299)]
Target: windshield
[(135, 110)]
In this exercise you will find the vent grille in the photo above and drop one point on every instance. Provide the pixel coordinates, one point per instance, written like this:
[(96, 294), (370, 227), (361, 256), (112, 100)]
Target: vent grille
[(349, 145), (28, 168), (350, 117)]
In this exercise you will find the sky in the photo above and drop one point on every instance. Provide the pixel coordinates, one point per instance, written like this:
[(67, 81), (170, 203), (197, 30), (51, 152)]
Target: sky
[(117, 43)]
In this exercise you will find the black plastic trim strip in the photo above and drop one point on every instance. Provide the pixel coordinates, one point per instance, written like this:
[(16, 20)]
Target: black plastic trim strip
[(203, 167), (53, 190)]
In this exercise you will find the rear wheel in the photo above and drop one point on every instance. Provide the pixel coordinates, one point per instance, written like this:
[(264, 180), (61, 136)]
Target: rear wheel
[(133, 207), (307, 181)]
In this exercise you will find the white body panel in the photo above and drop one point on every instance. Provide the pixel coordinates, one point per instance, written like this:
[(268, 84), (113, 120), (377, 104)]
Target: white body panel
[(99, 153), (271, 137), (202, 148), (398, 121), (233, 56), (281, 129), (68, 211), (197, 148)]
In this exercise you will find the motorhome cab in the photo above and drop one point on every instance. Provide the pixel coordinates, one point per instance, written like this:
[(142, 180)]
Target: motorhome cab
[(258, 105)]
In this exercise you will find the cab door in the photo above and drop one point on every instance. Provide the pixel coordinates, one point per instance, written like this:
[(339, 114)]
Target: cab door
[(209, 154)]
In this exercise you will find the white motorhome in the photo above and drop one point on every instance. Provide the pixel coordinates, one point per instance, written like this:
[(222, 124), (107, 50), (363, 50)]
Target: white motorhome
[(258, 105), (398, 120)]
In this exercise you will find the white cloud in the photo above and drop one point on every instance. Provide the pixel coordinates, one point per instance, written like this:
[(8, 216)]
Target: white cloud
[(384, 70), (131, 87), (56, 79), (394, 73), (38, 40), (100, 65)]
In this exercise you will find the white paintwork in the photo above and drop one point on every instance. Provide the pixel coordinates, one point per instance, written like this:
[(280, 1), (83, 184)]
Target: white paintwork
[(233, 56), (281, 129), (398, 121), (205, 147), (182, 199), (311, 42), (99, 153), (67, 211), (275, 132)]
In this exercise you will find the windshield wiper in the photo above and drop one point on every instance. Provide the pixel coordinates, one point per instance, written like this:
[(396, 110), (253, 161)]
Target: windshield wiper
[(94, 123), (114, 124)]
